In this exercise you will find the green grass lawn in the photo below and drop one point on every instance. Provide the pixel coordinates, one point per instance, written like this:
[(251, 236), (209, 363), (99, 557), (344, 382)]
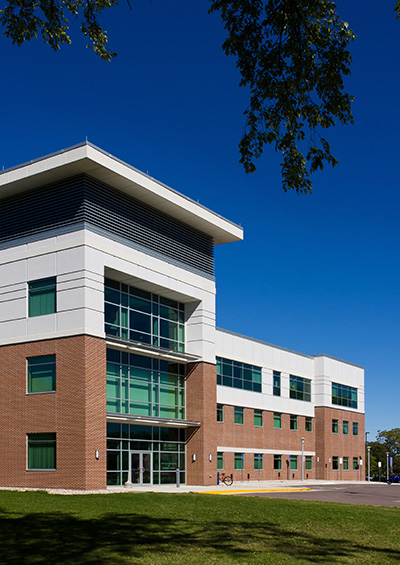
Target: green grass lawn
[(36, 527)]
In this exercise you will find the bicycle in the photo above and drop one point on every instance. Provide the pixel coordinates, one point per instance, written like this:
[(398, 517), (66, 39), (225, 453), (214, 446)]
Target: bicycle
[(226, 479)]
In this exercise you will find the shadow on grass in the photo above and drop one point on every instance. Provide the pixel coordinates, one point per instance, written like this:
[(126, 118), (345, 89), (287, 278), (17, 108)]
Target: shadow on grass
[(120, 538)]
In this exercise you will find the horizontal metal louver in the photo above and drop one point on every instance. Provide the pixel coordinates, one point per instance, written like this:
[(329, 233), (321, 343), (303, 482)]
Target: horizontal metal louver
[(84, 202)]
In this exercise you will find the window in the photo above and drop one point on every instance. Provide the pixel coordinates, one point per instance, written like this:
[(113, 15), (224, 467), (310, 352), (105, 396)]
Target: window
[(220, 413), (335, 426), (144, 386), (293, 462), (355, 428), (300, 388), (343, 395), (238, 375), (277, 420), (131, 313), (220, 461), (308, 424), (41, 451), (335, 463), (277, 462), (239, 461), (258, 418), (42, 297), (258, 461), (239, 418), (308, 462), (42, 373), (293, 422), (276, 383), (345, 427), (345, 463), (355, 464)]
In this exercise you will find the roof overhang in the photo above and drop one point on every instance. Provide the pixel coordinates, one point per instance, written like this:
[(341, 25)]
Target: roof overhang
[(89, 159)]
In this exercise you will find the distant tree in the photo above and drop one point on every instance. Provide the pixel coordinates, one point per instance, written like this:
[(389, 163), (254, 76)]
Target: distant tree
[(292, 54), (387, 441)]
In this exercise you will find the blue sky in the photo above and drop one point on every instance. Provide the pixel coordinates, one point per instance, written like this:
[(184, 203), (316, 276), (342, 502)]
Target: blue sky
[(316, 274)]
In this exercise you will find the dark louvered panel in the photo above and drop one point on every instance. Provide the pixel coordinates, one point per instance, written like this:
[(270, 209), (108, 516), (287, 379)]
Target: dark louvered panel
[(83, 200)]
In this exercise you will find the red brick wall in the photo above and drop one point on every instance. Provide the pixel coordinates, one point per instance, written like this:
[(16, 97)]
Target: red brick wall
[(201, 405), (340, 445), (76, 412)]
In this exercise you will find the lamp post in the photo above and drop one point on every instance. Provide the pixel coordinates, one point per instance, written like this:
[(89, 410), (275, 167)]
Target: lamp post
[(387, 465), (302, 459), (368, 454), (369, 462)]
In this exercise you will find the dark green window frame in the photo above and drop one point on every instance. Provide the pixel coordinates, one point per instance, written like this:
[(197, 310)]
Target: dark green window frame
[(345, 463), (220, 461), (41, 374), (239, 461), (335, 463), (355, 428), (277, 420), (335, 426), (239, 415), (300, 388), (258, 461), (220, 412), (308, 463), (238, 375), (345, 427), (41, 452), (293, 422), (293, 463), (42, 297), (343, 395), (258, 418), (356, 465), (277, 462), (276, 376), (308, 424)]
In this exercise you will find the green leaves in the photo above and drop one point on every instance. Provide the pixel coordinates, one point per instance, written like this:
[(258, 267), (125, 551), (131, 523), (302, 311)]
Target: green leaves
[(293, 57), (24, 20)]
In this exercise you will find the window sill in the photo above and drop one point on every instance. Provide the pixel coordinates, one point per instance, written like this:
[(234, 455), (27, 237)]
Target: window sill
[(41, 470), (41, 392)]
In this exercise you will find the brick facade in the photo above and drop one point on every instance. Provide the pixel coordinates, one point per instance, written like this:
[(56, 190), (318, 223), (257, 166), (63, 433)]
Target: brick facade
[(329, 444), (76, 413)]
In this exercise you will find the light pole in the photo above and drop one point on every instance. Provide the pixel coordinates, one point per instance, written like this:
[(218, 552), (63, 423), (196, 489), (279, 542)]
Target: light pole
[(369, 461), (302, 459), (368, 450), (387, 465)]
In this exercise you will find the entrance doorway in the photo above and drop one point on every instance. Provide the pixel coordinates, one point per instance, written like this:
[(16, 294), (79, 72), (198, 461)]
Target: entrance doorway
[(141, 467)]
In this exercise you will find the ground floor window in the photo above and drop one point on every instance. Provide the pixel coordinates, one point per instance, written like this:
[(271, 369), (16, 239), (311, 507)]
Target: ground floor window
[(308, 462), (41, 451), (278, 462), (144, 454), (258, 461), (220, 461), (293, 462), (355, 464), (345, 463), (335, 463), (239, 461)]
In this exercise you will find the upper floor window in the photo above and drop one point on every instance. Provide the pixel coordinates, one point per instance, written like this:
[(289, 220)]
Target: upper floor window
[(42, 373), (344, 395), (308, 424), (293, 422), (277, 420), (300, 388), (276, 383), (258, 418), (42, 297), (137, 315), (345, 427), (239, 415), (335, 426), (238, 375), (144, 386), (220, 413), (355, 428)]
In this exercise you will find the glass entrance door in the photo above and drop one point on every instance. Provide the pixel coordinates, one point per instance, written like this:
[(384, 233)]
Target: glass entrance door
[(141, 467)]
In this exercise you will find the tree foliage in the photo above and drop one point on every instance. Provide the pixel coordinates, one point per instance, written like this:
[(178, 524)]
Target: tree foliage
[(293, 56), (387, 441), (24, 20)]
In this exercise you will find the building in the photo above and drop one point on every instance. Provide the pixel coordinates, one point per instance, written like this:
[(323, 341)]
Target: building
[(112, 367)]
